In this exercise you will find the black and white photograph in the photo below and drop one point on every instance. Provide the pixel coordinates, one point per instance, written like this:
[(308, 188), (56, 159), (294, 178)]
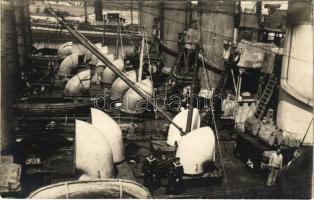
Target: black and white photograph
[(156, 99)]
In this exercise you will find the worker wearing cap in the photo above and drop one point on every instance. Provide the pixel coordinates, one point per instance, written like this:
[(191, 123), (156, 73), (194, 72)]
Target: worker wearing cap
[(176, 172), (275, 164), (149, 171)]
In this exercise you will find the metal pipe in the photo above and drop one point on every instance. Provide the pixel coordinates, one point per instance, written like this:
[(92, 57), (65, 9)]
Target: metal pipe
[(90, 46), (140, 70), (131, 11), (85, 11), (193, 89), (28, 28)]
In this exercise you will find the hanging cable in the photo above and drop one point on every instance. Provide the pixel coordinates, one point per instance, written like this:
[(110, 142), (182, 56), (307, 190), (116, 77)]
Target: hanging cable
[(215, 126)]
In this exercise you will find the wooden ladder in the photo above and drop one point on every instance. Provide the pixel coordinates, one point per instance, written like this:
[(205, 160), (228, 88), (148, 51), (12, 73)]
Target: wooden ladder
[(266, 96)]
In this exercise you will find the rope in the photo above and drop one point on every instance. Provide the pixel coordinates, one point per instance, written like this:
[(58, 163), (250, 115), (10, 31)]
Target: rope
[(215, 127), (306, 133), (66, 190), (121, 189), (121, 39)]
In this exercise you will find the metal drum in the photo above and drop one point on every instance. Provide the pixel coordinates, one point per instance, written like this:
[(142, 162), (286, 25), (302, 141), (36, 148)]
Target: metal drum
[(217, 27), (295, 108)]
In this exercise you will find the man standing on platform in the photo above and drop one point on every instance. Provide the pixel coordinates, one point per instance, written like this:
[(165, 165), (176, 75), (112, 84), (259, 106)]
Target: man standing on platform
[(149, 170), (275, 164), (176, 172)]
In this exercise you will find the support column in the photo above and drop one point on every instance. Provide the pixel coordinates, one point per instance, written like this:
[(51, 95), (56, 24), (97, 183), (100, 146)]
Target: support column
[(9, 68), (28, 28), (21, 32)]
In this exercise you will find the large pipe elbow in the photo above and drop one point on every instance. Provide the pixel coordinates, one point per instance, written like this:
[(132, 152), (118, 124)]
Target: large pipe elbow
[(102, 50), (93, 154), (65, 49), (78, 84), (119, 87), (196, 150), (111, 131), (132, 102), (108, 76), (69, 64), (174, 135)]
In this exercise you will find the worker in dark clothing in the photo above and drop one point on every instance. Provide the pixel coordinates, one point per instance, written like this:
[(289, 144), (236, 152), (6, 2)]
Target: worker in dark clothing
[(175, 185), (149, 170)]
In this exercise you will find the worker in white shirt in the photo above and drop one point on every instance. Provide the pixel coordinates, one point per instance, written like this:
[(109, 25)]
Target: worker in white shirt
[(275, 164)]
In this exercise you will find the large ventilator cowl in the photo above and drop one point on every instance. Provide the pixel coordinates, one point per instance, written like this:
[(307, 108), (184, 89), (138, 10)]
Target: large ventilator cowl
[(102, 50), (197, 150), (69, 48), (108, 76), (78, 84), (111, 131), (69, 63), (119, 87), (80, 49), (132, 102), (181, 120), (65, 49), (101, 65), (93, 155)]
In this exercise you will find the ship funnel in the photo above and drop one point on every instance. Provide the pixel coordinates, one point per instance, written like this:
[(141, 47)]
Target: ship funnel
[(93, 154), (111, 131), (197, 150), (180, 119), (132, 102), (78, 84), (119, 87), (69, 63)]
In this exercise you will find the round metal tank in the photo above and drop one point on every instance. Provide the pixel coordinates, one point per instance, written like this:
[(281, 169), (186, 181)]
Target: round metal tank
[(78, 84), (180, 119), (295, 107), (196, 150), (108, 76), (119, 87), (93, 155), (132, 101), (175, 20), (68, 64), (217, 25), (112, 132), (9, 68)]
